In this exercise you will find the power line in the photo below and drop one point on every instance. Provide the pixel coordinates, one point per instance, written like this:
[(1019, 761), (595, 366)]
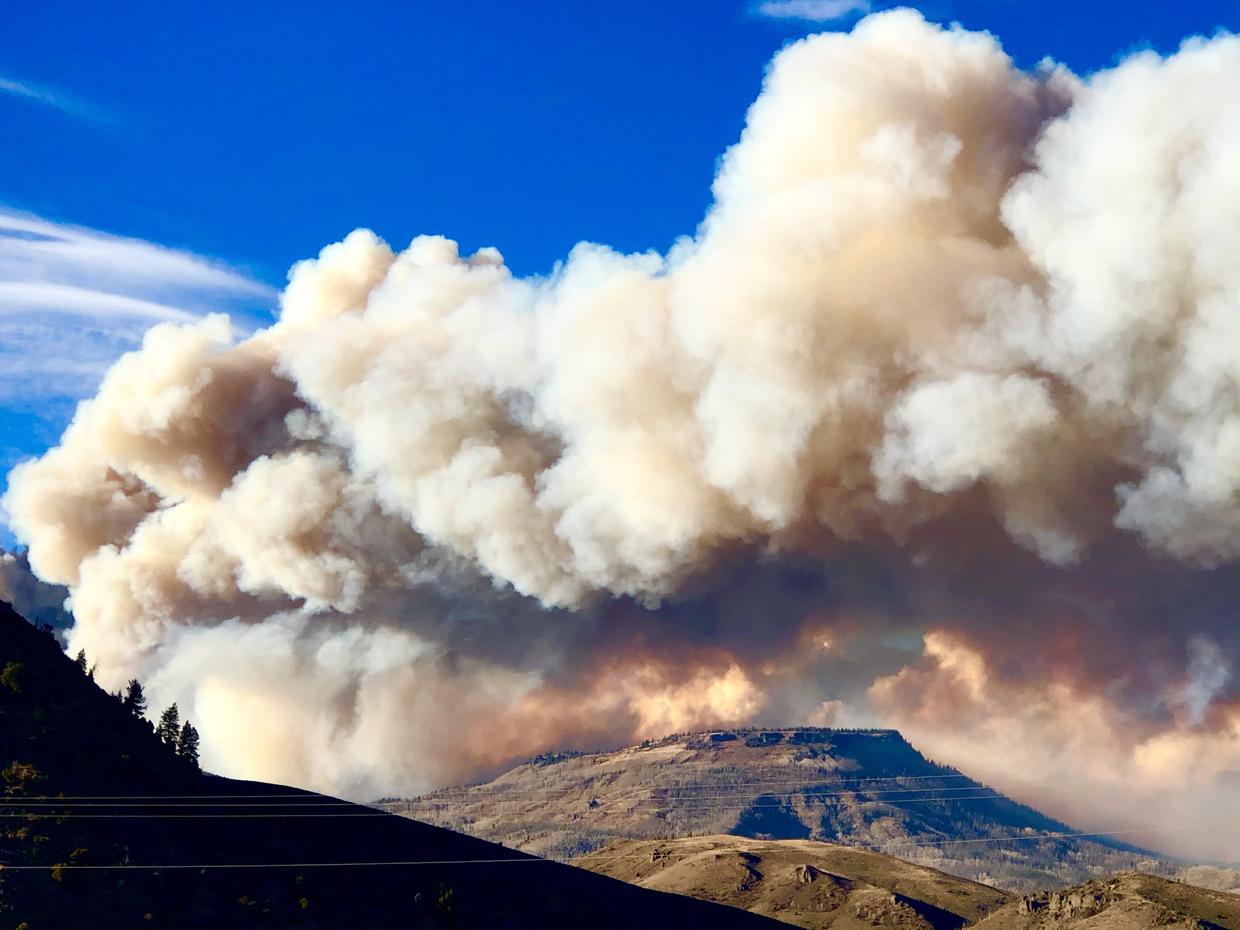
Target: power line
[(501, 790), (170, 797), (504, 791), (60, 814), (722, 806), (1044, 836), (220, 804), (604, 796), (701, 803), (804, 787), (55, 815), (737, 791), (779, 799), (280, 865), (769, 801), (807, 791), (522, 860)]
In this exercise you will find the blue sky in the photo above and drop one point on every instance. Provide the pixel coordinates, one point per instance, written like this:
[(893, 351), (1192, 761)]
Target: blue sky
[(222, 144)]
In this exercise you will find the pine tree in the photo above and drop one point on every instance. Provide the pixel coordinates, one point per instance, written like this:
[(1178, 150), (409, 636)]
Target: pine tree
[(169, 729), (81, 660), (134, 700), (187, 744)]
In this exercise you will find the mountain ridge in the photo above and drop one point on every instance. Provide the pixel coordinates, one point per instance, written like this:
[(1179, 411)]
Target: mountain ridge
[(860, 787)]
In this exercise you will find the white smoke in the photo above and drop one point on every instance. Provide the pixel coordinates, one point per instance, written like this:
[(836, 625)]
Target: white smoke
[(935, 296), (1073, 750), (1208, 673)]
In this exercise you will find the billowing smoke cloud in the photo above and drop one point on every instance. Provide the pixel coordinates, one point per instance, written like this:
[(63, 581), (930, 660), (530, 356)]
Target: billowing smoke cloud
[(936, 419)]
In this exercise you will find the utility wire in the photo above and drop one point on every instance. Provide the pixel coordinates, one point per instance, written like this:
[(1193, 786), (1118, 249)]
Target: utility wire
[(518, 859), (61, 815), (221, 804), (55, 815), (807, 791), (311, 801), (170, 797), (811, 777), (826, 780)]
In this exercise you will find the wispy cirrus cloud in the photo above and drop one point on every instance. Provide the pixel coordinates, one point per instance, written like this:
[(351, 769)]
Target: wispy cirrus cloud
[(814, 11), (73, 299), (56, 99)]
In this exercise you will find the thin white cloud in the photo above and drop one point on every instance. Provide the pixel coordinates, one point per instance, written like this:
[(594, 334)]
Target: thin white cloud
[(77, 255), (814, 11), (73, 299), (57, 99), (19, 297)]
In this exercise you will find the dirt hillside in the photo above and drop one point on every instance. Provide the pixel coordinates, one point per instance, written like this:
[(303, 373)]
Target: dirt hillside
[(1129, 901), (808, 884)]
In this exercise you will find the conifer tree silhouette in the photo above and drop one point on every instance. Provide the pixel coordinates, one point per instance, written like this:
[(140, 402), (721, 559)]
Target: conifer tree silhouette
[(135, 698), (187, 744), (169, 729)]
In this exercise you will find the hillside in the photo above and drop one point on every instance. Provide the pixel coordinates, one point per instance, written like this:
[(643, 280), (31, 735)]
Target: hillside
[(104, 827), (807, 884), (41, 603), (1128, 901), (860, 788), (819, 886)]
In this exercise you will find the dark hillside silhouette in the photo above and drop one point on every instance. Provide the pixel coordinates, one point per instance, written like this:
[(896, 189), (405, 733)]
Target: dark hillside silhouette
[(85, 782)]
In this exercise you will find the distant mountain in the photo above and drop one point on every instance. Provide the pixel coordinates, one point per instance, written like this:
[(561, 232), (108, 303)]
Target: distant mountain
[(102, 826), (37, 601), (862, 788), (807, 884), (1128, 901)]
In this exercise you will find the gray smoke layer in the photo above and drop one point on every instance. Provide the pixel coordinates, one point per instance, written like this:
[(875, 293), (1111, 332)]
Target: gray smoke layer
[(38, 602), (935, 420)]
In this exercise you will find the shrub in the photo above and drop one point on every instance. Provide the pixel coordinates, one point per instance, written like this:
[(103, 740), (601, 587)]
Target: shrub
[(10, 677)]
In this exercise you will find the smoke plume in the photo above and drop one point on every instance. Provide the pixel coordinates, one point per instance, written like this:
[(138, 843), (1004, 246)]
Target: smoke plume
[(935, 420)]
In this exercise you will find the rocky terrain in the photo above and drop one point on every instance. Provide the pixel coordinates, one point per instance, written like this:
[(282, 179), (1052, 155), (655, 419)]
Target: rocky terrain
[(1128, 901), (804, 883), (865, 788)]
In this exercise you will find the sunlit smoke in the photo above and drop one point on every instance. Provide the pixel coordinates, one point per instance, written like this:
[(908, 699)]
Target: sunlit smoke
[(946, 378)]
